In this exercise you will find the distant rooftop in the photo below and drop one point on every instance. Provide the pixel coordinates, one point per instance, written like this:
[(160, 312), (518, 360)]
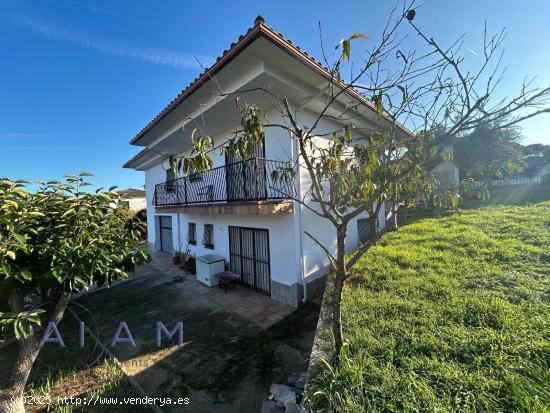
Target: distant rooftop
[(132, 193)]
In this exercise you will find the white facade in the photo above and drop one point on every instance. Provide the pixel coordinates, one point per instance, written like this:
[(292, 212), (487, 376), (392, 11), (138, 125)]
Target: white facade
[(295, 260), (136, 204), (133, 199)]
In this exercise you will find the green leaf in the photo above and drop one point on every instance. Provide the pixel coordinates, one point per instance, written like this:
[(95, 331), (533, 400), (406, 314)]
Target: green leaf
[(358, 35), (10, 202), (10, 254), (70, 211), (377, 99), (348, 132), (346, 50), (172, 162), (26, 274), (389, 99), (20, 238)]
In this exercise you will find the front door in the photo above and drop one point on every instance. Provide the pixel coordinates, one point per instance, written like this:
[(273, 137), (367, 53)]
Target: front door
[(166, 241), (245, 179), (249, 257)]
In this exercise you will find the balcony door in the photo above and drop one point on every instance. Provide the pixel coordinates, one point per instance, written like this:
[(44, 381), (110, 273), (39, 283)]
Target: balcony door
[(245, 179)]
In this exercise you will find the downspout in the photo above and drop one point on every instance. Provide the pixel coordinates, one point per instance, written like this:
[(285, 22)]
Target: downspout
[(302, 269), (302, 262), (179, 232)]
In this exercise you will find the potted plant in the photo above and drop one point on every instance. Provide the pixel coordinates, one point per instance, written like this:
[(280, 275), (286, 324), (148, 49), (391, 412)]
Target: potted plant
[(189, 263), (176, 259)]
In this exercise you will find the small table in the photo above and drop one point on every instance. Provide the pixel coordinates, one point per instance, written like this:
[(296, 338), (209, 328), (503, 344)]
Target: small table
[(228, 280)]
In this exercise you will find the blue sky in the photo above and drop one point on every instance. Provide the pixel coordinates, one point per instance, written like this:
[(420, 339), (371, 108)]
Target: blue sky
[(78, 79)]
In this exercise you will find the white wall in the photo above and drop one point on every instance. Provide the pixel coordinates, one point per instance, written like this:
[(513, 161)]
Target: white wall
[(137, 204), (282, 245), (153, 176), (282, 241), (316, 262)]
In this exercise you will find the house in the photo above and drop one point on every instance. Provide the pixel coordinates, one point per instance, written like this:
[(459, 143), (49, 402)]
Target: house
[(235, 210), (133, 199), (446, 171)]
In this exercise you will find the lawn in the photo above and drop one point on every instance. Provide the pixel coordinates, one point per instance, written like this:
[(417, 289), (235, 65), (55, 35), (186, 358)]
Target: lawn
[(448, 314)]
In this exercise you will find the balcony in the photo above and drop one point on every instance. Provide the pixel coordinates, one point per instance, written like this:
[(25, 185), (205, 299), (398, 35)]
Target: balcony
[(240, 183)]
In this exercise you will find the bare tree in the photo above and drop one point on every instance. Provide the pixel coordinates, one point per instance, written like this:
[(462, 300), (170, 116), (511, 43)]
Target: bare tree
[(423, 98)]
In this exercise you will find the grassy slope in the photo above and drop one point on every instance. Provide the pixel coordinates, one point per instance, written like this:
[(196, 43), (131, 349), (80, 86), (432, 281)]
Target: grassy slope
[(450, 314)]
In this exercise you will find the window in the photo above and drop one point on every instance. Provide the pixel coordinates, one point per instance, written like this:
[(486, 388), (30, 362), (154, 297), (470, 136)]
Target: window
[(191, 231), (364, 230), (208, 236)]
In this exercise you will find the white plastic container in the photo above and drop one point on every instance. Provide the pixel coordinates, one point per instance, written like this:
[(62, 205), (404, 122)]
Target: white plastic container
[(208, 267)]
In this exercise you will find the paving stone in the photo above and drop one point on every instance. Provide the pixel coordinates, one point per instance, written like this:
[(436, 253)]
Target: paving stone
[(275, 317), (241, 310), (258, 309), (265, 324)]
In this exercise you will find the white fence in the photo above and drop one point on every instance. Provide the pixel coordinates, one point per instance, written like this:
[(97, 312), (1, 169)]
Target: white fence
[(518, 180)]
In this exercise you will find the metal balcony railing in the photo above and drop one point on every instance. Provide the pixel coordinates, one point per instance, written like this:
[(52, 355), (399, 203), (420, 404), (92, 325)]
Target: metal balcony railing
[(249, 180)]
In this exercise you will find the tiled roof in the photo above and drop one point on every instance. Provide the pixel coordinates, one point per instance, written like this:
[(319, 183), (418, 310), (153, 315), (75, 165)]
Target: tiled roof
[(260, 28)]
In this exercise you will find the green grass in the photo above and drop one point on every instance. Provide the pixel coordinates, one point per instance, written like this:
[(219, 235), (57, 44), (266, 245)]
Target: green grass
[(448, 314)]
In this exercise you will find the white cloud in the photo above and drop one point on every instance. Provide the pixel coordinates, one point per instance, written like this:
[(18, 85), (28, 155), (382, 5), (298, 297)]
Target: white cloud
[(472, 51), (22, 135), (98, 9), (150, 55)]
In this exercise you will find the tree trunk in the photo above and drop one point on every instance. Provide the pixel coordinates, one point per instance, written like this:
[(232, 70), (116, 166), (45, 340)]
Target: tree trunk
[(28, 351), (394, 208), (29, 348), (340, 278), (394, 222)]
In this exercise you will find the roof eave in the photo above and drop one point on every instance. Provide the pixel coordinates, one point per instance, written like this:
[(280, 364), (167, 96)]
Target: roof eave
[(259, 29), (229, 55)]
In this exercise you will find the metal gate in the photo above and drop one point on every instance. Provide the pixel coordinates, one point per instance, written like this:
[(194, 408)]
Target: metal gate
[(166, 241), (249, 257)]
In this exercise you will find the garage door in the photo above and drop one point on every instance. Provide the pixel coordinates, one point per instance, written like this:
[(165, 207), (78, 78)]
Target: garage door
[(166, 243)]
